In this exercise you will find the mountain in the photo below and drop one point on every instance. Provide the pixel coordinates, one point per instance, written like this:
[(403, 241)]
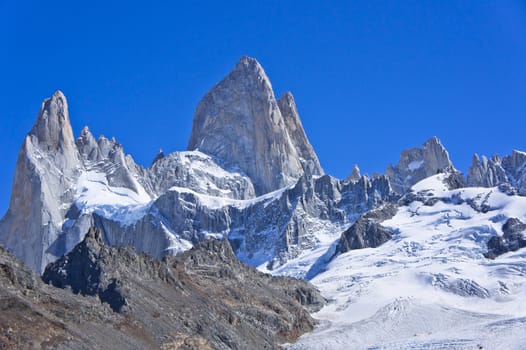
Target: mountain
[(263, 189), (419, 257), (417, 164), (47, 166), (507, 171), (240, 122), (116, 299)]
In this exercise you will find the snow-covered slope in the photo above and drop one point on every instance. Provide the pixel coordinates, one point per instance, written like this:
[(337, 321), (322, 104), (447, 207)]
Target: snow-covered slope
[(430, 286)]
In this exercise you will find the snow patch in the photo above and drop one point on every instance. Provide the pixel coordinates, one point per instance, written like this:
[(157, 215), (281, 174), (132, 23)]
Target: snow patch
[(95, 195)]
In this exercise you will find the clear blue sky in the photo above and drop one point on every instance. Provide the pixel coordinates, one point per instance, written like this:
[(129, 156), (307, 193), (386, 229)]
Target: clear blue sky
[(370, 77)]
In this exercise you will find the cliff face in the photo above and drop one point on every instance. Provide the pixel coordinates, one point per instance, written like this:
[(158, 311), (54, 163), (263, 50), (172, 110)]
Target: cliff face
[(419, 163), (47, 166), (240, 122)]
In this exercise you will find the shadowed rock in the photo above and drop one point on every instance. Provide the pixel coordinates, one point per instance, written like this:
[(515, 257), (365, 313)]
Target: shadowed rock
[(206, 292), (513, 239), (367, 232)]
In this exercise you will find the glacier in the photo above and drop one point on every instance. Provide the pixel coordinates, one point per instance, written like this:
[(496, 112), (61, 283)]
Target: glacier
[(430, 287)]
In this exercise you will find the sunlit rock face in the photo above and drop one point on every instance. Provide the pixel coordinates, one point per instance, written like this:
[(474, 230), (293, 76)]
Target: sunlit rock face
[(240, 122)]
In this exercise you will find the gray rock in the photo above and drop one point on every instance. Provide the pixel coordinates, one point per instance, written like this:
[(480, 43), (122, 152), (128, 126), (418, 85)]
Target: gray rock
[(367, 232), (417, 164), (239, 121), (486, 172), (206, 293), (308, 158), (355, 175), (515, 166), (47, 167), (510, 172), (200, 173), (512, 239)]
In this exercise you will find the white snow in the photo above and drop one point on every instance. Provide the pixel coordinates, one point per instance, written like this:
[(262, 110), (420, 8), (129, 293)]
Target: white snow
[(215, 202), (95, 195), (430, 287)]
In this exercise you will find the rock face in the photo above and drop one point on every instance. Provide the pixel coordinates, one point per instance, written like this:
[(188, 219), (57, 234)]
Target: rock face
[(486, 172), (206, 294), (240, 122), (496, 171), (199, 172), (513, 238), (355, 175), (308, 158), (367, 232), (419, 163), (34, 315), (47, 165)]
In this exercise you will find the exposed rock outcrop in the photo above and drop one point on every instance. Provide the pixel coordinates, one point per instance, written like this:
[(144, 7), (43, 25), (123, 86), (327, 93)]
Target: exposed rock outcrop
[(367, 232), (206, 293), (418, 163), (509, 171), (486, 172), (308, 158), (240, 122), (512, 239), (47, 167), (355, 175), (199, 172)]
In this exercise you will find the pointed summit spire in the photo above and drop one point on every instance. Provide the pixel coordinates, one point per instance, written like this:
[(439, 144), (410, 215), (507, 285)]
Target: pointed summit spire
[(248, 64), (418, 163), (355, 175), (309, 159), (240, 123), (52, 128)]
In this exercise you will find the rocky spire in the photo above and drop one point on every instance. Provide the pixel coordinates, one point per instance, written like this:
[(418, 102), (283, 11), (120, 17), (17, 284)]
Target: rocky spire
[(486, 172), (52, 128), (418, 163), (87, 145), (308, 157), (47, 166), (355, 175), (239, 122)]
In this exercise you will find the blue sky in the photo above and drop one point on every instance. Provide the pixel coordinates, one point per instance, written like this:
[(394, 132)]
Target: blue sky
[(370, 78)]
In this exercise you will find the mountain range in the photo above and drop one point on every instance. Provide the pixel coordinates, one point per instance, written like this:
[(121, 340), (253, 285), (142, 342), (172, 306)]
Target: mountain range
[(402, 257)]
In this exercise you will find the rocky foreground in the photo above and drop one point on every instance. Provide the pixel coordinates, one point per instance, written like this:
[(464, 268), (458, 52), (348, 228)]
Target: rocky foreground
[(106, 298)]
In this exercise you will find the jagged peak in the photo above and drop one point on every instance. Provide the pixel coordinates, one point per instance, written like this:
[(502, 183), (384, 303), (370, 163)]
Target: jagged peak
[(288, 98), (433, 140), (417, 163), (85, 131), (249, 74), (248, 64), (52, 127), (160, 155), (287, 106)]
